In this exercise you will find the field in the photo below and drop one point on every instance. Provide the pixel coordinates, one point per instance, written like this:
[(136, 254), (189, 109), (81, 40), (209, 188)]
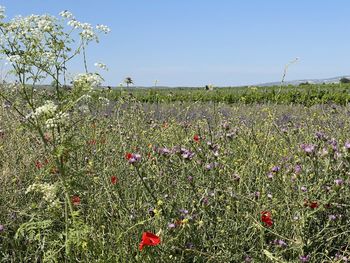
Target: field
[(216, 182), (88, 174)]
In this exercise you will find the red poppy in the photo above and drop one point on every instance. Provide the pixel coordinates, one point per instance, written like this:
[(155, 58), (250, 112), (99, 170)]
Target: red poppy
[(128, 156), (266, 218), (38, 164), (91, 142), (149, 239), (76, 200), (114, 180), (196, 138), (313, 204)]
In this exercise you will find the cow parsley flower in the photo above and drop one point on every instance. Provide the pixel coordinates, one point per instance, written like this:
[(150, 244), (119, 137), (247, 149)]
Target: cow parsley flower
[(103, 28)]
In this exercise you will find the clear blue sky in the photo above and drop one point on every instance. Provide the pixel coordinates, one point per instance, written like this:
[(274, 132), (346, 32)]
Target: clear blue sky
[(223, 42)]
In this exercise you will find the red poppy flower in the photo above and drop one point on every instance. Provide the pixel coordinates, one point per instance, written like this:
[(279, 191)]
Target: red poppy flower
[(266, 218), (38, 164), (128, 156), (76, 200), (114, 180), (91, 142), (313, 204), (149, 239), (196, 138)]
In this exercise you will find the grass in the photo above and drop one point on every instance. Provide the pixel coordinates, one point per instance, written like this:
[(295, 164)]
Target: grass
[(207, 172)]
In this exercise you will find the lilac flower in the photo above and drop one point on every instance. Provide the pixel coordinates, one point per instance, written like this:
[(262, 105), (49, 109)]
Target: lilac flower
[(257, 194), (184, 211), (248, 259), (332, 217), (275, 169), (338, 181), (308, 148), (211, 166), (270, 175), (190, 178), (297, 169), (320, 135), (171, 225), (164, 151), (304, 258), (186, 154), (135, 157), (303, 189), (2, 228), (280, 242), (347, 145)]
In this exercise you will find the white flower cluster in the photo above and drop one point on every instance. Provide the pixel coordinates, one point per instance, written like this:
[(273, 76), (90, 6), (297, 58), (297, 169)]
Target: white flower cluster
[(14, 58), (2, 12), (104, 101), (47, 110), (101, 66), (66, 14), (48, 190), (87, 32), (103, 28), (60, 118), (92, 79)]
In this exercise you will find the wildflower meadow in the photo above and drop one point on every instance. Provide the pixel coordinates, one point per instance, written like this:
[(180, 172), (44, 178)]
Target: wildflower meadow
[(90, 174)]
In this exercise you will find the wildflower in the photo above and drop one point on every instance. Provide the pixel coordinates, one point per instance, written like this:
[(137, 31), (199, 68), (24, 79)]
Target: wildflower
[(297, 169), (270, 175), (38, 164), (313, 204), (332, 217), (114, 180), (128, 156), (303, 189), (308, 148), (266, 218), (196, 138), (76, 200), (2, 228), (280, 242), (347, 145), (338, 182), (304, 258), (171, 225), (275, 169), (149, 239)]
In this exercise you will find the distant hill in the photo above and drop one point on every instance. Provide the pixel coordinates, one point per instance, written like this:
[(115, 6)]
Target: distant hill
[(334, 80)]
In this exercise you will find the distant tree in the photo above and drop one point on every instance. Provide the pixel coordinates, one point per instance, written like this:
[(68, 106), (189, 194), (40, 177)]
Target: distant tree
[(344, 80), (128, 81), (304, 83)]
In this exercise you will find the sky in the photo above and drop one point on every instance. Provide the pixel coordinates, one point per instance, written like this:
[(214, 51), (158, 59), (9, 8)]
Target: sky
[(218, 42)]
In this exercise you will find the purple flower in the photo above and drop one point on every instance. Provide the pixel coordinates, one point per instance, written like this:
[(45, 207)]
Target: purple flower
[(248, 259), (270, 175), (320, 136), (2, 228), (347, 145), (338, 182), (211, 166), (184, 211), (186, 154), (332, 217), (164, 151), (280, 242), (275, 169), (303, 189), (135, 157), (308, 148), (171, 225), (304, 258), (297, 169)]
